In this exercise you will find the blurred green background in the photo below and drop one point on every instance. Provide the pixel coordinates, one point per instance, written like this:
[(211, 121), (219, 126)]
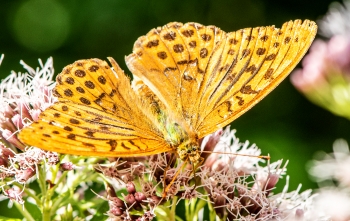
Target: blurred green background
[(285, 124)]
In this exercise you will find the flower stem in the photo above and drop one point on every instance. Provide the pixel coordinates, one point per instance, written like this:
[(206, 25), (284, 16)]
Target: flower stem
[(22, 209), (173, 209), (46, 197)]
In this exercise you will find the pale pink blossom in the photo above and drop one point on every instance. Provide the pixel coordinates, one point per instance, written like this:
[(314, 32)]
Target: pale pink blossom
[(332, 204), (324, 60)]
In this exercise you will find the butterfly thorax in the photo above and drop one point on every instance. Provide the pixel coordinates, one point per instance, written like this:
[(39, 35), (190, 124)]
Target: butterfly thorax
[(183, 141)]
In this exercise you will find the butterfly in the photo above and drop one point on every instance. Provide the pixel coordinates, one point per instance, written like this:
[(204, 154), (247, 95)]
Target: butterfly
[(189, 80)]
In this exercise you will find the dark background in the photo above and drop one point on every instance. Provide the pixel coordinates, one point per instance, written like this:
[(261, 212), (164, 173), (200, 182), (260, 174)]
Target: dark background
[(285, 124)]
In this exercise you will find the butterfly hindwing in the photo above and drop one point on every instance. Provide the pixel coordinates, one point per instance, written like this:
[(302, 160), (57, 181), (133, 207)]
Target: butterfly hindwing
[(97, 114)]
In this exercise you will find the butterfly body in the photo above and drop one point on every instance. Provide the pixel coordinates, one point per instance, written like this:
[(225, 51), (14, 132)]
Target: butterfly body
[(189, 80), (184, 142)]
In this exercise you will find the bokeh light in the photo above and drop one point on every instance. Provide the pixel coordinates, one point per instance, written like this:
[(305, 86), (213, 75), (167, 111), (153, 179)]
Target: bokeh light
[(41, 25)]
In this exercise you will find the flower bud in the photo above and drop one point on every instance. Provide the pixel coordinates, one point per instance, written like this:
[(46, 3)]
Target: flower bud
[(130, 187), (140, 197), (129, 199), (67, 166)]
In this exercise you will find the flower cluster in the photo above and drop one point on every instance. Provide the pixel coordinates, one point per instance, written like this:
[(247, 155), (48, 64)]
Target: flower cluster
[(61, 180), (336, 21), (230, 184), (332, 200), (325, 77), (233, 185), (325, 80), (23, 97)]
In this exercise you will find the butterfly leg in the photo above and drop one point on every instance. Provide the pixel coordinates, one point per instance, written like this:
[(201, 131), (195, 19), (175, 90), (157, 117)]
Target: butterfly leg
[(167, 188), (195, 167), (171, 161)]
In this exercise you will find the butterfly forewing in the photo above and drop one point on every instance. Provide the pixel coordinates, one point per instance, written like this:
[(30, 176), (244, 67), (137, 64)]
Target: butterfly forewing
[(151, 73), (172, 61), (215, 88), (224, 74), (283, 53)]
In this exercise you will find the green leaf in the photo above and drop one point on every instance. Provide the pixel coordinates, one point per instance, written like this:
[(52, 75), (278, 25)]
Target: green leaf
[(34, 210), (101, 212)]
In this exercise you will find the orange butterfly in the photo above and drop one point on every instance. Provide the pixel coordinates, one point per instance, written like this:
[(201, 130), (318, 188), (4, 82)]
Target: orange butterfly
[(189, 81)]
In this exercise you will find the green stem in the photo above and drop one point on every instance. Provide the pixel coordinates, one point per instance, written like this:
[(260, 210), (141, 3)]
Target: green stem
[(199, 205), (193, 205), (73, 185), (178, 218), (41, 180), (212, 213), (187, 210), (173, 209), (54, 170), (63, 176), (54, 205), (46, 197), (50, 206), (22, 209)]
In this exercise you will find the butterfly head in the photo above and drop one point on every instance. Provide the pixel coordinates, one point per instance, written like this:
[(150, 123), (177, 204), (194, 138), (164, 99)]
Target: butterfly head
[(190, 150)]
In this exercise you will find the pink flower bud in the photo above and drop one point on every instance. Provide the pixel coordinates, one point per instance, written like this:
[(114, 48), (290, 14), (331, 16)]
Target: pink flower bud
[(154, 200), (116, 211), (9, 112), (12, 138), (6, 152), (67, 166), (140, 197), (299, 214), (22, 176), (35, 114), (24, 110), (130, 187), (17, 121), (129, 199), (52, 158), (15, 194), (271, 181), (3, 162)]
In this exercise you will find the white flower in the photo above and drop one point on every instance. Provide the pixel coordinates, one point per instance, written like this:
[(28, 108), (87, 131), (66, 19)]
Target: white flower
[(337, 20), (332, 204), (243, 163), (23, 97), (333, 166)]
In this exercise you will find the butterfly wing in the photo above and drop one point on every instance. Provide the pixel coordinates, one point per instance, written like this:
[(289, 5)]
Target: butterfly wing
[(97, 114), (210, 77), (266, 56), (172, 60)]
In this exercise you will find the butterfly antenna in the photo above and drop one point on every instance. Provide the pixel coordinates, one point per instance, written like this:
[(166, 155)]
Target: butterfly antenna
[(239, 154)]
